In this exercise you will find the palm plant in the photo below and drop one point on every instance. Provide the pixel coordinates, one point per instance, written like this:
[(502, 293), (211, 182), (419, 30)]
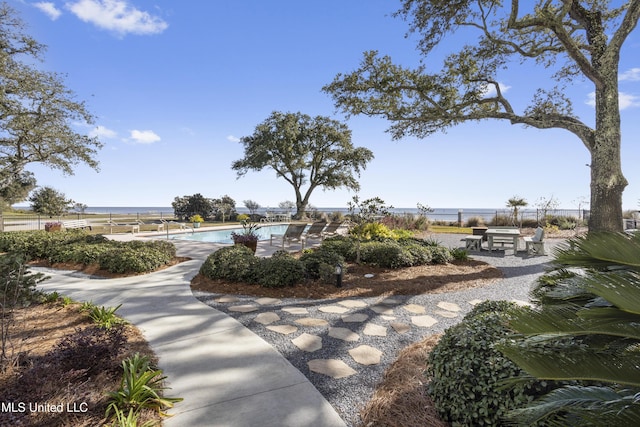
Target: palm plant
[(585, 331), (515, 203)]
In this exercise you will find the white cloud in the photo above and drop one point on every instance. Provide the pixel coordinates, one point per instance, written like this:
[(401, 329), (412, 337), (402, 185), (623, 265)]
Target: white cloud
[(490, 90), (49, 9), (144, 136), (625, 100), (233, 138), (102, 132), (117, 16), (632, 74)]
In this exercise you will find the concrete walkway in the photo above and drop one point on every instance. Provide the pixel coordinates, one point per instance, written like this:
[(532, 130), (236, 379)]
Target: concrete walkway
[(227, 375)]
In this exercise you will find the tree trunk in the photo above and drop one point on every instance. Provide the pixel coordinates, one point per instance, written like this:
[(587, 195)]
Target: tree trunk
[(607, 180)]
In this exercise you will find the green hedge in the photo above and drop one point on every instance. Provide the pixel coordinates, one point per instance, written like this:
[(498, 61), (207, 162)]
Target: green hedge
[(279, 271), (468, 374), (231, 263), (78, 247)]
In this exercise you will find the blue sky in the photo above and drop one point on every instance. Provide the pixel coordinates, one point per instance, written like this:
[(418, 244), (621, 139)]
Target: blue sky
[(174, 85)]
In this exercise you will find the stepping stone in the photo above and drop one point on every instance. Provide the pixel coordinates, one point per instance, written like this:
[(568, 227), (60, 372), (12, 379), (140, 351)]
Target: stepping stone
[(308, 342), (382, 309), (331, 367), (343, 334), (227, 298), (449, 306), (415, 308), (333, 309), (245, 308), (354, 318), (423, 321), (268, 301), (375, 330), (351, 303), (366, 355), (447, 314), (283, 329), (311, 321), (388, 318), (522, 303), (266, 318), (296, 310), (390, 301), (401, 328), (475, 301)]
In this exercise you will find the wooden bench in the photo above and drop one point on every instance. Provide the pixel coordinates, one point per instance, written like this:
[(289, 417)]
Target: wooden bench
[(473, 243), (76, 223), (535, 244)]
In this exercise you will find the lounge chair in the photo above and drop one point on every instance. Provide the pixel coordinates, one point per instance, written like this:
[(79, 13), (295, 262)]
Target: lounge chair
[(315, 230), (332, 229), (293, 233), (135, 228), (160, 224)]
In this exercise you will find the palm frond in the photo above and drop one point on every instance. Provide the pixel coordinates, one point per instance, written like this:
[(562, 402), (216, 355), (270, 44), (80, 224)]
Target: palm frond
[(569, 404), (600, 251), (620, 288), (575, 363)]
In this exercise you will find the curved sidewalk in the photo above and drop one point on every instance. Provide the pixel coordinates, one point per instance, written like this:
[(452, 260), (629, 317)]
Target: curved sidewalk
[(227, 375)]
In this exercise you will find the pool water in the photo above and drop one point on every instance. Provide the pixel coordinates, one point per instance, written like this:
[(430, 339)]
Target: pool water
[(224, 236)]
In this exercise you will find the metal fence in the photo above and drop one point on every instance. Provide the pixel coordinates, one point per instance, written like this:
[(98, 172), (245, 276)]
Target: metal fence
[(37, 222)]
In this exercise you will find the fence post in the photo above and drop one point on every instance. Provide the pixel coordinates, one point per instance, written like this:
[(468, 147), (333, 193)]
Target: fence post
[(1, 222), (459, 217)]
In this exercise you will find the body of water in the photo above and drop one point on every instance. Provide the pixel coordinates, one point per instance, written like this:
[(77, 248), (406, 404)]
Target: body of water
[(224, 236)]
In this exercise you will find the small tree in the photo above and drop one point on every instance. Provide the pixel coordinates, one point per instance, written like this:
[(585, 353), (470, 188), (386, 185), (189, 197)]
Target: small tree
[(313, 152), (225, 207), (545, 205), (48, 201), (515, 203), (253, 206), (365, 212), (287, 206), (186, 206), (80, 207)]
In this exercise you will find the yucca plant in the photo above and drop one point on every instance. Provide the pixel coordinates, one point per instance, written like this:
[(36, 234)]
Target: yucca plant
[(141, 387), (584, 330), (105, 317), (130, 419)]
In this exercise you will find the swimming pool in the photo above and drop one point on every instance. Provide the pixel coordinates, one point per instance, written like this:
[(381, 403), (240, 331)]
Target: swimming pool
[(224, 236)]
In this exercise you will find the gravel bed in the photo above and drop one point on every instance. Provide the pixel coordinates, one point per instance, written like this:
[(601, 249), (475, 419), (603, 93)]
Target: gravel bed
[(348, 395)]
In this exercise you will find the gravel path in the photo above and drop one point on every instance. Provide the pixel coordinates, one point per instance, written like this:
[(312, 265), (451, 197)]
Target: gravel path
[(440, 311)]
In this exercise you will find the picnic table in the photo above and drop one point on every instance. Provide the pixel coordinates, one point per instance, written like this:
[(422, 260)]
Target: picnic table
[(502, 236)]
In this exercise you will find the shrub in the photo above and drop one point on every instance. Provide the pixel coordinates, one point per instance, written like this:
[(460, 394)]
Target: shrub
[(278, 271), (134, 257), (243, 217), (440, 255), (320, 264), (420, 254), (401, 233), (371, 231), (342, 245), (459, 254), (93, 349), (467, 373), (475, 221), (387, 254), (231, 263)]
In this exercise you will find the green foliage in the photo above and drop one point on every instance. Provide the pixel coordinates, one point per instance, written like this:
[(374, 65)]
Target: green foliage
[(141, 387), (467, 372), (459, 254), (186, 206), (230, 262), (129, 419), (18, 284), (40, 116), (342, 245), (587, 325), (196, 218), (50, 202), (370, 231), (321, 263), (134, 257), (243, 217), (387, 254), (280, 270), (294, 143), (440, 255), (105, 317)]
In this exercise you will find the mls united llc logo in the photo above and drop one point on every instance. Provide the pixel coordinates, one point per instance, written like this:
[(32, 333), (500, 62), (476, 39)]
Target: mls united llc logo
[(21, 407)]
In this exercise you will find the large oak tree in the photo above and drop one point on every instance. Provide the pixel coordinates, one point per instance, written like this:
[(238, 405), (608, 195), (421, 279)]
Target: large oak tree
[(37, 114), (306, 152), (576, 39)]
